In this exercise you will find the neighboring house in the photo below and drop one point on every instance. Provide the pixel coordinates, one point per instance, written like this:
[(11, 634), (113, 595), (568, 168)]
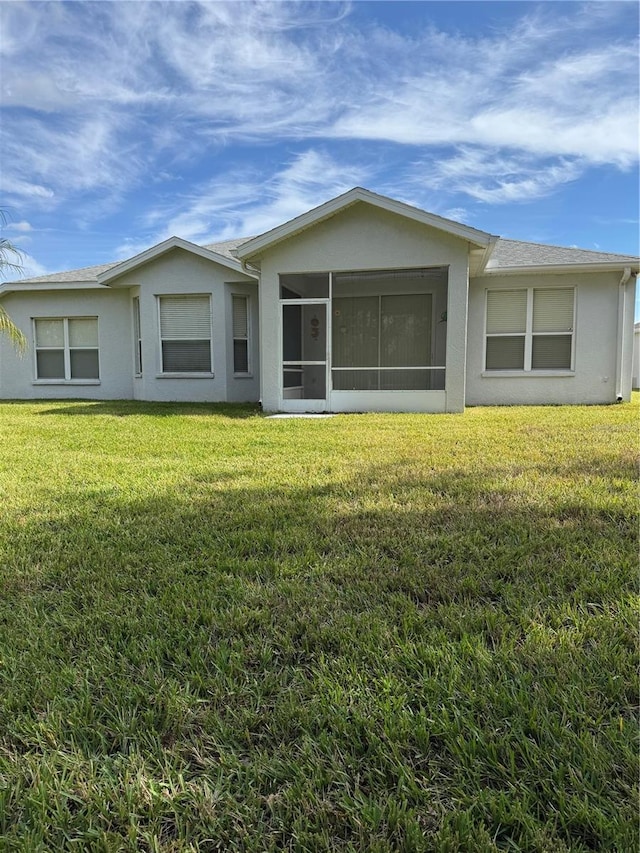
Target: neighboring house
[(361, 304)]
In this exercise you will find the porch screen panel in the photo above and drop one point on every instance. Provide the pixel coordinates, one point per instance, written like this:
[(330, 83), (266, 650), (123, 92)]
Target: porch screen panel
[(405, 341), (405, 333), (292, 333), (377, 332), (355, 333), (185, 330)]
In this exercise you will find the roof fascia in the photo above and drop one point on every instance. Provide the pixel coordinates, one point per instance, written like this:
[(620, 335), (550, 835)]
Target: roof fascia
[(162, 248), (484, 256), (554, 269), (30, 286), (312, 217)]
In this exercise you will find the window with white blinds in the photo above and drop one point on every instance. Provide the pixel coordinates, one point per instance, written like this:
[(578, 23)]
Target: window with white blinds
[(530, 329), (185, 333), (240, 305)]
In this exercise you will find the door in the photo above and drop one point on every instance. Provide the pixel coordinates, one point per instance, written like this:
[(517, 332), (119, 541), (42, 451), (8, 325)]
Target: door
[(304, 380)]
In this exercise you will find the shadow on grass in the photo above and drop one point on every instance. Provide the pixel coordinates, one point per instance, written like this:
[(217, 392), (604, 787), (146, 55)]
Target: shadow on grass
[(392, 662), (127, 408)]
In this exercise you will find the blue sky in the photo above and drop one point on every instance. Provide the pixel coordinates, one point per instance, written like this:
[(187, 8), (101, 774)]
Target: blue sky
[(124, 123)]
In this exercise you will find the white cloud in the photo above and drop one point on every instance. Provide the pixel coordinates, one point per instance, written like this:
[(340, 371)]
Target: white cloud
[(31, 267), (107, 97), (583, 105), (227, 207), (490, 176), (22, 226)]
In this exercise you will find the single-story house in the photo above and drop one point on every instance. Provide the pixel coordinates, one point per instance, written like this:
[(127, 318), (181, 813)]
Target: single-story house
[(361, 304)]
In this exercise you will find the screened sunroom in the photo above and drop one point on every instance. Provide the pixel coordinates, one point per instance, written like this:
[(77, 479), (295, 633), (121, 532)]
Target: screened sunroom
[(352, 336)]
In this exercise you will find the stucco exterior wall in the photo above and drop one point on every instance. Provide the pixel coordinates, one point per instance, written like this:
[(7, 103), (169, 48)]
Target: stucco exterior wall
[(115, 344), (635, 382), (243, 389), (179, 272), (594, 377), (364, 237)]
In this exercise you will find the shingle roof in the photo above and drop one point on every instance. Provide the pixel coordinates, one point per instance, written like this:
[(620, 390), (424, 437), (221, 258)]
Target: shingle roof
[(506, 254), (90, 274), (226, 246), (83, 274), (514, 253)]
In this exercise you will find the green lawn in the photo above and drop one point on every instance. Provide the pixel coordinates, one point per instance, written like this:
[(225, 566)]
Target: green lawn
[(364, 633)]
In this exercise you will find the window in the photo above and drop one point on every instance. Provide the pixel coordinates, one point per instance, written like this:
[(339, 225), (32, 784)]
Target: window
[(185, 333), (137, 336), (66, 348), (240, 306), (530, 329)]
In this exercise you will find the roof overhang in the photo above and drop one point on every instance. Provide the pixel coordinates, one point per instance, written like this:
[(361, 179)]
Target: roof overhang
[(560, 269), (111, 275), (30, 286), (252, 249)]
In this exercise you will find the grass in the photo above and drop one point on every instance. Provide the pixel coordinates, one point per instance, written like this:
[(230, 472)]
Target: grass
[(365, 633)]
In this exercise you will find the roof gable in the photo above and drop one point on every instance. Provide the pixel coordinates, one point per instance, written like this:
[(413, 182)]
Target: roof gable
[(113, 273), (258, 245)]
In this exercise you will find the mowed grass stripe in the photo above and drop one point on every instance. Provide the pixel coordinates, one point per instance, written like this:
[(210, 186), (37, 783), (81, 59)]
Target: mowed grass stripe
[(369, 632)]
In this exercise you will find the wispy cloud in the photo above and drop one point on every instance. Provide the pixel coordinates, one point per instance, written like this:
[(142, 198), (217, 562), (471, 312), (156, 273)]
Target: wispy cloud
[(494, 177), (226, 207), (103, 100)]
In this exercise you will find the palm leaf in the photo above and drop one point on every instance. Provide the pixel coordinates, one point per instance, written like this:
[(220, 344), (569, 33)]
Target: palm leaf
[(8, 327)]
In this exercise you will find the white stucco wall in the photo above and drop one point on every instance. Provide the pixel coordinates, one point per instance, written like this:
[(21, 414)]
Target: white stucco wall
[(594, 378), (180, 272), (364, 237), (112, 308), (635, 383), (177, 272)]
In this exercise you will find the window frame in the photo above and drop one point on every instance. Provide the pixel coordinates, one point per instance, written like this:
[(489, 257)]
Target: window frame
[(528, 335), (183, 374), (242, 374), (66, 348)]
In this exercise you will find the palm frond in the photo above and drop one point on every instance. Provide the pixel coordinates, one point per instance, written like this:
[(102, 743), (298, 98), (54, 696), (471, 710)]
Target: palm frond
[(8, 327), (10, 262)]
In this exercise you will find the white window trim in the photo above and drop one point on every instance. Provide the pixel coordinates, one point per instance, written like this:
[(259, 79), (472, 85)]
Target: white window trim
[(528, 336), (162, 374), (248, 373), (67, 380)]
